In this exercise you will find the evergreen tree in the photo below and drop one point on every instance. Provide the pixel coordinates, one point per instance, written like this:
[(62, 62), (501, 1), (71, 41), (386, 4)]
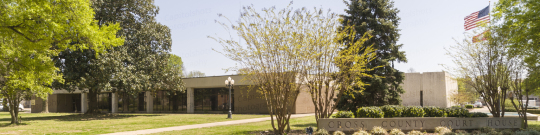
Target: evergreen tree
[(378, 18)]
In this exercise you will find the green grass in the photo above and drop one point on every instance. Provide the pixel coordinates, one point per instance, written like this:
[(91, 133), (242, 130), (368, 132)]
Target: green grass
[(535, 125), (70, 123), (248, 128)]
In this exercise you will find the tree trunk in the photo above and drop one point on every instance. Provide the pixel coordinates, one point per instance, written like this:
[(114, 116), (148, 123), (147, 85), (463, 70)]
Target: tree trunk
[(14, 110), (125, 102), (92, 103), (45, 105)]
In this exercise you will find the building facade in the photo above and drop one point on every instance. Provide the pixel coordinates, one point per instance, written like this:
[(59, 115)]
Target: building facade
[(428, 89), (203, 95), (210, 95)]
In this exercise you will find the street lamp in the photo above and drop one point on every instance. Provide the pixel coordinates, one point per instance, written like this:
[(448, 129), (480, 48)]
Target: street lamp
[(229, 82)]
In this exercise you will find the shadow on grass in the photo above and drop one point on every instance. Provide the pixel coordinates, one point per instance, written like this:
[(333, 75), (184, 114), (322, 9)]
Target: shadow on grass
[(75, 117), (271, 131), (314, 125)]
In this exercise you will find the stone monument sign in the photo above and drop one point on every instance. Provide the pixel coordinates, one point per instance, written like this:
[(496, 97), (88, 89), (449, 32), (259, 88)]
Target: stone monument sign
[(421, 123)]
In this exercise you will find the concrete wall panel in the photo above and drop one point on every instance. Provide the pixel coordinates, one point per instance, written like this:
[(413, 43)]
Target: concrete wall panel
[(436, 88)]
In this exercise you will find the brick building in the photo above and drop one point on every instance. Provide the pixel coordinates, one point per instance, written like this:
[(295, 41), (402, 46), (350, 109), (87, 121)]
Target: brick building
[(210, 95)]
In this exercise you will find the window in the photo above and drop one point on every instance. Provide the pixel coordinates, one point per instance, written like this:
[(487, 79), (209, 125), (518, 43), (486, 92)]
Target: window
[(212, 99)]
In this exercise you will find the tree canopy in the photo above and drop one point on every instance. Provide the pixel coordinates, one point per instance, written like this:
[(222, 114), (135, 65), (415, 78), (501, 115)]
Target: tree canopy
[(33, 31), (141, 64)]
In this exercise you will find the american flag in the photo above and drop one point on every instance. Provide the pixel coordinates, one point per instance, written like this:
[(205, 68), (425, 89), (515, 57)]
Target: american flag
[(471, 21)]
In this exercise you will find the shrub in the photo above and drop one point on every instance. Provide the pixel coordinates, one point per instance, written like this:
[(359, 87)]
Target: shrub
[(512, 109), (321, 132), (414, 132), (507, 132), (396, 131), (461, 131), (457, 106), (369, 112), (457, 112), (378, 131), (477, 114), (442, 130), (469, 106), (476, 132), (432, 111), (487, 130), (413, 111), (361, 132), (344, 114), (527, 132), (392, 111), (338, 133)]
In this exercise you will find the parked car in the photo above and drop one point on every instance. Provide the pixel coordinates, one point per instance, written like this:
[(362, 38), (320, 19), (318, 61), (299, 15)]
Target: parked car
[(532, 107), (21, 107), (478, 105)]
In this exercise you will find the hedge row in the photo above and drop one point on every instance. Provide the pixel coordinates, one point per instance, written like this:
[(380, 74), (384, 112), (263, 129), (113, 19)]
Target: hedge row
[(389, 111), (533, 111)]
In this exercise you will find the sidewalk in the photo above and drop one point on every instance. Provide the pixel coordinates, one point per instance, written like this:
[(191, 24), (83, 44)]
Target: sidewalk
[(157, 130)]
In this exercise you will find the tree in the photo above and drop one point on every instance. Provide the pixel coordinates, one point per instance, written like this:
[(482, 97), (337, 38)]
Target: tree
[(175, 63), (379, 18), (32, 32), (195, 73), (411, 70), (334, 67), (488, 67), (466, 93), (518, 21), (276, 55), (141, 64), (461, 98)]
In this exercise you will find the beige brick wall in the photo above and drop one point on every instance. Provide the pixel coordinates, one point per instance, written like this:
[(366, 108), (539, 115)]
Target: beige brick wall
[(38, 107), (249, 101), (304, 103)]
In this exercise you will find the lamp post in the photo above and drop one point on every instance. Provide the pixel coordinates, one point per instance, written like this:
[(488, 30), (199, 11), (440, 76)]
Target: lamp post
[(229, 82)]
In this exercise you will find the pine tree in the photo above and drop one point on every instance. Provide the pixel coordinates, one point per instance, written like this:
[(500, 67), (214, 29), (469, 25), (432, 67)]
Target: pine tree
[(378, 18)]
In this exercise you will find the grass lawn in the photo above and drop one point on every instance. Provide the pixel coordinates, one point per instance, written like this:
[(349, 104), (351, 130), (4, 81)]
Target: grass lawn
[(535, 125), (254, 128), (71, 123), (249, 128)]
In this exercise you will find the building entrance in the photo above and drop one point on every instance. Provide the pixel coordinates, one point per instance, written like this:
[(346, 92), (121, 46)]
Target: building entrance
[(212, 99)]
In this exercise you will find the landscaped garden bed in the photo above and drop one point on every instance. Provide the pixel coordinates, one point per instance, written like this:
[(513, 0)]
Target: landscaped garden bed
[(412, 118)]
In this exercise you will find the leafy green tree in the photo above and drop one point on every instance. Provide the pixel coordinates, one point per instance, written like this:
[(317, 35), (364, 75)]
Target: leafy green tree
[(466, 93), (195, 73), (31, 32), (175, 63), (141, 64), (518, 21), (379, 19)]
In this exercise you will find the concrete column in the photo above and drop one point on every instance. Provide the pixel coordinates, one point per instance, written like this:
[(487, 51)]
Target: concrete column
[(149, 102), (84, 102), (190, 100), (114, 102)]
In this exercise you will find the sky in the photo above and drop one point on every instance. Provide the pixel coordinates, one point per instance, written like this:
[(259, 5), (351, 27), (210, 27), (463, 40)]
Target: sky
[(427, 28)]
